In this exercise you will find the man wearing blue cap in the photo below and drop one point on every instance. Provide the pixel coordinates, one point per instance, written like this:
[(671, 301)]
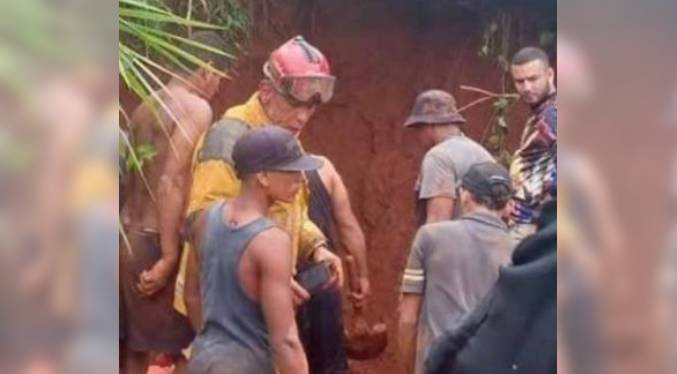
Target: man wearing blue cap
[(244, 262)]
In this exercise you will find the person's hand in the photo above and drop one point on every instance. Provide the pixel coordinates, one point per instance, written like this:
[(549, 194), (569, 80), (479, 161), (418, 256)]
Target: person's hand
[(153, 280), (299, 294), (335, 266), (360, 295)]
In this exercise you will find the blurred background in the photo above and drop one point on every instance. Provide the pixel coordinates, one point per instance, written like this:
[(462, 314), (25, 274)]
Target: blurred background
[(58, 177), (616, 270)]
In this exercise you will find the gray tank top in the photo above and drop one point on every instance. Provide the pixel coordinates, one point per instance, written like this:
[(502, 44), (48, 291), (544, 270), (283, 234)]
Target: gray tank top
[(234, 338)]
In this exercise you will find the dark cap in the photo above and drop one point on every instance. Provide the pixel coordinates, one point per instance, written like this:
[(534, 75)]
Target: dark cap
[(489, 181), (434, 106), (271, 148)]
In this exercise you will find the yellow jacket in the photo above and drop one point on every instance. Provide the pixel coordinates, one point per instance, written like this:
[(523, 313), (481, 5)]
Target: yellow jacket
[(214, 179)]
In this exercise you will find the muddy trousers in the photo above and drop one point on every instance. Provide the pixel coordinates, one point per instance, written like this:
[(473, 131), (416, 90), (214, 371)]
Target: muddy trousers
[(320, 322)]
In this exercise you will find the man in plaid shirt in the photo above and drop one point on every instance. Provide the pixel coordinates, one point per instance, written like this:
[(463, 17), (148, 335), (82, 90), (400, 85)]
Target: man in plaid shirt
[(534, 166)]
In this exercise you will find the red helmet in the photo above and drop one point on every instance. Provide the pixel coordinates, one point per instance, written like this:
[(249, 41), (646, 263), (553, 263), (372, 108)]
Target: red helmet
[(299, 70)]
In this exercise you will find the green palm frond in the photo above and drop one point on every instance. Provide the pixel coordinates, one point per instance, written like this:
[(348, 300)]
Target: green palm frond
[(149, 37), (154, 45)]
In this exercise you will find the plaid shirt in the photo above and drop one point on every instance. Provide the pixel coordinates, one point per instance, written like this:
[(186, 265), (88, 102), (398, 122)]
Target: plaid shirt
[(534, 167)]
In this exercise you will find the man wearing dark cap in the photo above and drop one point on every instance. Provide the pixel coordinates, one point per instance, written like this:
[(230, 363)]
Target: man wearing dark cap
[(438, 124), (244, 261), (514, 328), (453, 264)]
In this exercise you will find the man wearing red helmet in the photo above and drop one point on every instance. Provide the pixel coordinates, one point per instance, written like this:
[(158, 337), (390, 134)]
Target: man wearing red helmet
[(297, 79)]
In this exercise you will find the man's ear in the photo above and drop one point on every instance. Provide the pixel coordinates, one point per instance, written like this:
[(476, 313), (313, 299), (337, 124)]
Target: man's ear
[(203, 73), (462, 194), (464, 198), (265, 91), (210, 76), (263, 179), (428, 132), (203, 76), (509, 207), (551, 76)]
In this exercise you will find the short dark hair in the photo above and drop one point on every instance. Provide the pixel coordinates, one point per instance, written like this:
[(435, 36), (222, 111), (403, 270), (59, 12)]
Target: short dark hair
[(501, 196), (213, 40), (245, 177), (528, 54)]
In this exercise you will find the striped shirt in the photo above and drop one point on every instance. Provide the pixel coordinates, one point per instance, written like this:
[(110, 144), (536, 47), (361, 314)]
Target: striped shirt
[(534, 167)]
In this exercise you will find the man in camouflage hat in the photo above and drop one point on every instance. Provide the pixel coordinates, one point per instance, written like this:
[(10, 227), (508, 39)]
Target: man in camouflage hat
[(450, 154)]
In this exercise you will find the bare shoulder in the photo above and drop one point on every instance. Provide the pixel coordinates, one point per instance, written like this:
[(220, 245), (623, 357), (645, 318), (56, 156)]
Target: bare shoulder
[(194, 107), (327, 172), (275, 233), (327, 165), (196, 225), (271, 241), (271, 251), (142, 115), (188, 108)]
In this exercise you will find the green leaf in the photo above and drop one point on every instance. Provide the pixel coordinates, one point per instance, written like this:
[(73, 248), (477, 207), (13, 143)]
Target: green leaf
[(153, 42), (501, 122), (165, 18), (148, 95), (144, 5), (160, 45), (193, 43), (135, 163), (547, 39), (501, 103)]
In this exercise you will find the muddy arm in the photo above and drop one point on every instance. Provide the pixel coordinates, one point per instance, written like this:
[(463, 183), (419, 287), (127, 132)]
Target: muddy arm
[(409, 310), (172, 188), (439, 209), (191, 291), (272, 254), (350, 233)]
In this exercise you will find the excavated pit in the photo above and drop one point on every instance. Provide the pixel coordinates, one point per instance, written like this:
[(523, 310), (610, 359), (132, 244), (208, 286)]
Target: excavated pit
[(383, 55)]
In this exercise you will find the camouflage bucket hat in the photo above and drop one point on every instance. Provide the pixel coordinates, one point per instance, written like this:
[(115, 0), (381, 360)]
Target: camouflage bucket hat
[(434, 106)]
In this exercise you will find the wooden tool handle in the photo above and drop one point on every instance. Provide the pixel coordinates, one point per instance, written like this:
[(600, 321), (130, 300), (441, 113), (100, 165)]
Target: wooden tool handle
[(354, 278)]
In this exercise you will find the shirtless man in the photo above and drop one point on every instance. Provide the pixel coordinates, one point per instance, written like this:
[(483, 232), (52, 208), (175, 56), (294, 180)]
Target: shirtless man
[(347, 229), (153, 211), (244, 260), (321, 319)]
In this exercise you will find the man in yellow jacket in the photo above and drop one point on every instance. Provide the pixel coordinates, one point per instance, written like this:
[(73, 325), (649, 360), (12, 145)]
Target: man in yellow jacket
[(297, 80)]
